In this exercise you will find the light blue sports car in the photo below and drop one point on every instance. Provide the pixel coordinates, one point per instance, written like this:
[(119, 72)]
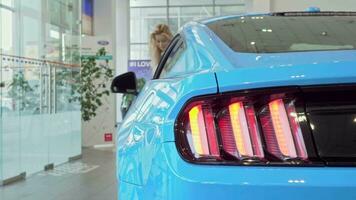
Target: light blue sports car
[(245, 107)]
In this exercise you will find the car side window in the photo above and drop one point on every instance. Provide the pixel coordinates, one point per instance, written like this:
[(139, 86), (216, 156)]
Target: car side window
[(169, 58), (173, 65), (165, 57)]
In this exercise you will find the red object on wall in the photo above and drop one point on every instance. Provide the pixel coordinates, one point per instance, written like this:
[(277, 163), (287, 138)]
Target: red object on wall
[(108, 137)]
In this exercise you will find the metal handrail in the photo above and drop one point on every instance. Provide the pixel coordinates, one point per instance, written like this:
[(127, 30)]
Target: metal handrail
[(40, 61)]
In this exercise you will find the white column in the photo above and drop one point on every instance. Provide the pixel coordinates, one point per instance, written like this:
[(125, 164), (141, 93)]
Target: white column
[(121, 10)]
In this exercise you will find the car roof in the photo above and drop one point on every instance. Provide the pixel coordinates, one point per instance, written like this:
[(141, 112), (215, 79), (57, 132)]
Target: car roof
[(225, 17), (286, 14)]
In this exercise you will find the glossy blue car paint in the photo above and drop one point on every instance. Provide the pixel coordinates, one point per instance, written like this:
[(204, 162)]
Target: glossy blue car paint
[(143, 129), (149, 166)]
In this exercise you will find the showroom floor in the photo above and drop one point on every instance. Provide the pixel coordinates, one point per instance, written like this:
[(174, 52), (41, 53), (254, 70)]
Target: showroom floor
[(91, 178)]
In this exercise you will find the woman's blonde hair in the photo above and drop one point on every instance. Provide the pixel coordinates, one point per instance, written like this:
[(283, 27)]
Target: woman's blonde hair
[(155, 52)]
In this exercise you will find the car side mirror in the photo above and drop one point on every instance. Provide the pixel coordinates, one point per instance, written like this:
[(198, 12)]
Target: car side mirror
[(125, 83)]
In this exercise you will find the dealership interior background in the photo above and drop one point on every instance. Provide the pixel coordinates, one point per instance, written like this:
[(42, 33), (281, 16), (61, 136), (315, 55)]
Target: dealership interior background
[(46, 150)]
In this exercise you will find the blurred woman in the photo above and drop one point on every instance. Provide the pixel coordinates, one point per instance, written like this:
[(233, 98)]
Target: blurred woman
[(159, 40)]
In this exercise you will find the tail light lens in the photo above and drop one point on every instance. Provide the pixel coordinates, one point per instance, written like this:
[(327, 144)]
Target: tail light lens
[(228, 129), (240, 136), (282, 132), (202, 132)]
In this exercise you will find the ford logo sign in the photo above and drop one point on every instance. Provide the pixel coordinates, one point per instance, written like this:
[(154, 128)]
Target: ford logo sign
[(103, 42)]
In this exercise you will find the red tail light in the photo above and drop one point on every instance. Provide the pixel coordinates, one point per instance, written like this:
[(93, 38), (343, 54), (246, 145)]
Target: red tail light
[(282, 132), (198, 131), (202, 132), (227, 130), (296, 131), (239, 133)]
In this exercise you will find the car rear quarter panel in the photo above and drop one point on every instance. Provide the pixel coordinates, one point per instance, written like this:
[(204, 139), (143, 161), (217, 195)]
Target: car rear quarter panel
[(152, 123)]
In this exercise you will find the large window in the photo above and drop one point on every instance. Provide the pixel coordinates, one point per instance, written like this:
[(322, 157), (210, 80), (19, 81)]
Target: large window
[(7, 20), (146, 14)]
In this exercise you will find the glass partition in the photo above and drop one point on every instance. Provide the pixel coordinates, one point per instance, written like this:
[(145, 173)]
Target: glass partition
[(39, 69), (76, 139), (12, 76)]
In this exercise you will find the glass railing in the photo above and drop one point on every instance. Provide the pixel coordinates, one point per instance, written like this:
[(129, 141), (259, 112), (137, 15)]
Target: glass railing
[(40, 118)]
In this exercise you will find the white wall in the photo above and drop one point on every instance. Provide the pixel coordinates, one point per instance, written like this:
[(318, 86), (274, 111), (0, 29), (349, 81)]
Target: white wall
[(104, 121)]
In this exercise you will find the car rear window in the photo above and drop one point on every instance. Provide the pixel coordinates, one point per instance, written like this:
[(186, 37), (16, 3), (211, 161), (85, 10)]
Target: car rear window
[(275, 34)]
